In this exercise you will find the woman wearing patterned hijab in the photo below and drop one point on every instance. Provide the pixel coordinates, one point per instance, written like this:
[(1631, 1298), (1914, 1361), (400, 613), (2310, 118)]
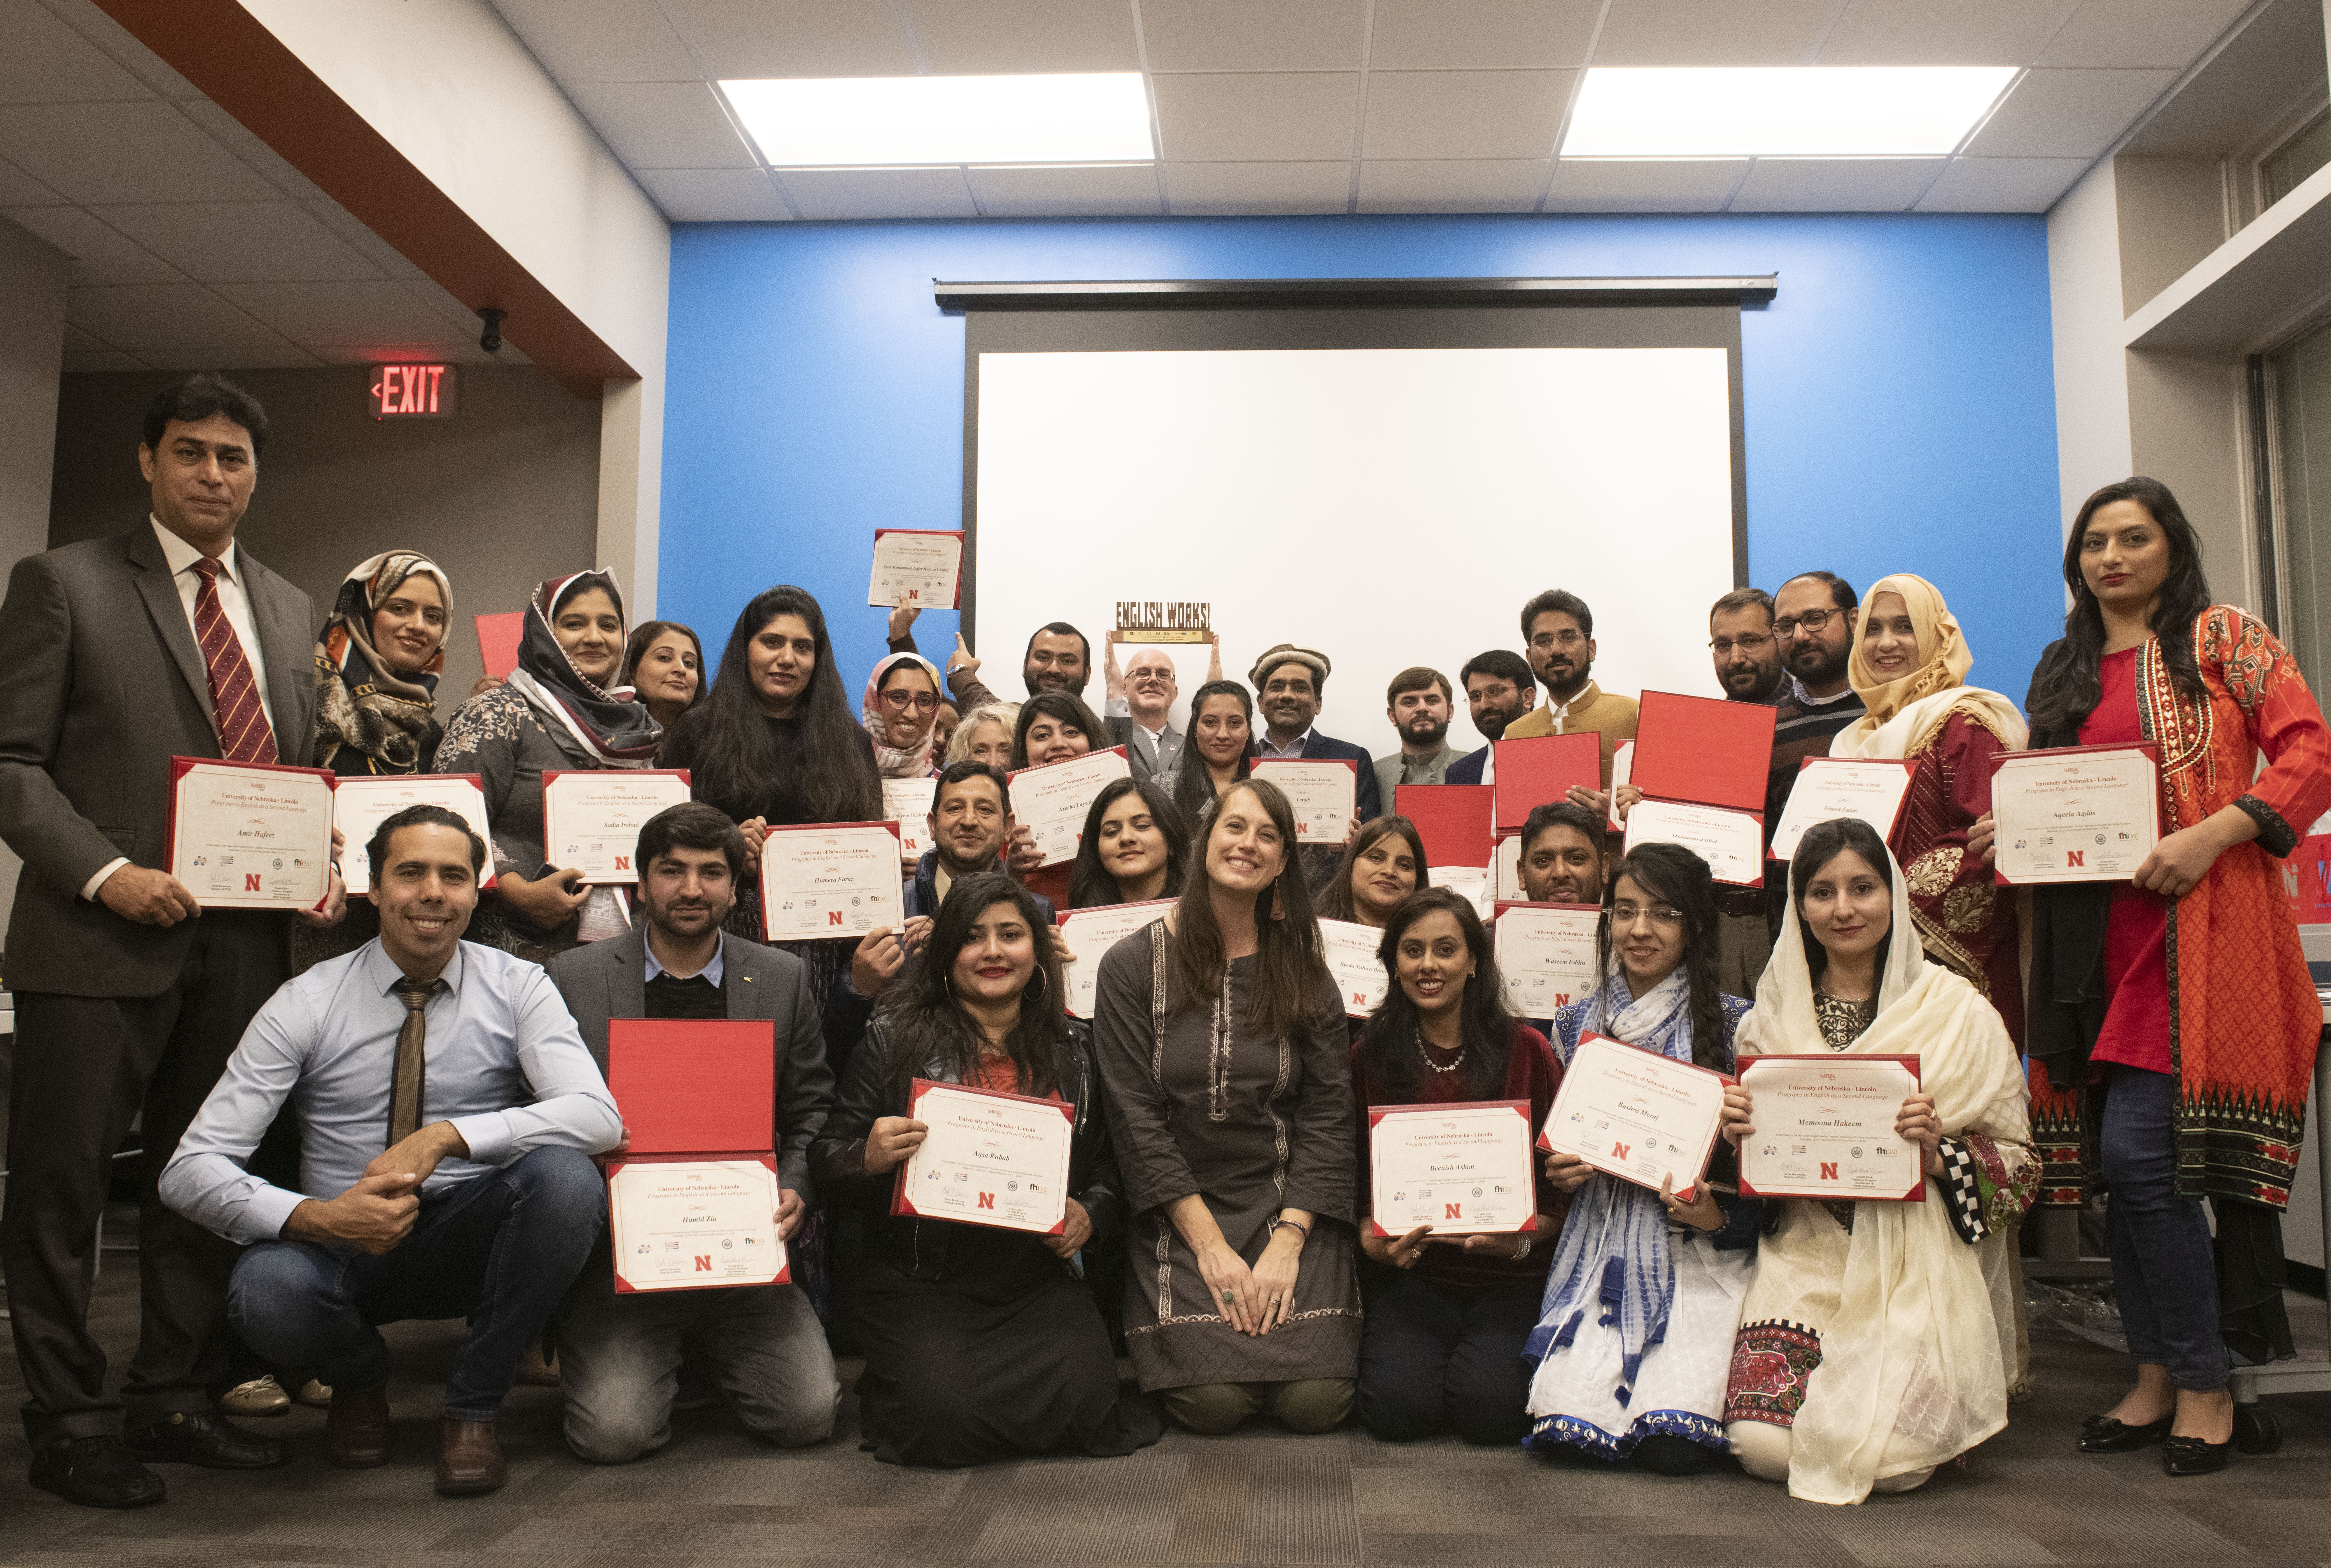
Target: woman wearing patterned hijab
[(377, 661)]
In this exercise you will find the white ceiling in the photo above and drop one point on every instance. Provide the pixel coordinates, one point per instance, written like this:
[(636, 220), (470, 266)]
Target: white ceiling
[(193, 246), (1357, 105)]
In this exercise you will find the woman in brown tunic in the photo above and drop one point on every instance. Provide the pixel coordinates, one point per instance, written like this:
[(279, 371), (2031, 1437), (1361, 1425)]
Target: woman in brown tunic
[(1223, 1050)]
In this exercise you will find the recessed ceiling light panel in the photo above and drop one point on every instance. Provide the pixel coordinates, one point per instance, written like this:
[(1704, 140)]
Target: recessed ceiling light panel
[(1783, 112), (1100, 118)]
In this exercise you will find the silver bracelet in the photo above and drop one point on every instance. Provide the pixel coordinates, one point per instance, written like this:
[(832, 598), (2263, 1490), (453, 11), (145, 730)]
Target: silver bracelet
[(1528, 1241)]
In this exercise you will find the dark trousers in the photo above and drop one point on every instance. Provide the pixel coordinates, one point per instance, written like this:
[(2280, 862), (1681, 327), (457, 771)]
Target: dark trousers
[(499, 1250), (2165, 1271), (1435, 1360), (85, 1068)]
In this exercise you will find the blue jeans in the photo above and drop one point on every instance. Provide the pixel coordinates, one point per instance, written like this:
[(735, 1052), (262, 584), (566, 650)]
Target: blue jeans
[(499, 1250), (2163, 1269)]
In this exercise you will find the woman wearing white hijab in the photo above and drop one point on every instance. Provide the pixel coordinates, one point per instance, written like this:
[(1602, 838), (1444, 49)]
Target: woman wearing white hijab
[(1876, 1337)]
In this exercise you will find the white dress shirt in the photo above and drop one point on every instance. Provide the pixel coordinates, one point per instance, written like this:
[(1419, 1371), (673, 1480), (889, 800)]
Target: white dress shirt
[(1266, 746), (715, 971)]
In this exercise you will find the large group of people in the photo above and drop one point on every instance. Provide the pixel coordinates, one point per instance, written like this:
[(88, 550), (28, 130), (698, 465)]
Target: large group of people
[(397, 1108)]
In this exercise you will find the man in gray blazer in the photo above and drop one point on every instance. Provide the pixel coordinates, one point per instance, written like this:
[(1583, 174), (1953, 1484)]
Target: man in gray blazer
[(619, 1356), (1139, 704), (121, 653)]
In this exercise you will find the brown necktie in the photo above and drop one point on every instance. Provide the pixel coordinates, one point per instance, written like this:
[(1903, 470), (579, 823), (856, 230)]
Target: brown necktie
[(411, 1072)]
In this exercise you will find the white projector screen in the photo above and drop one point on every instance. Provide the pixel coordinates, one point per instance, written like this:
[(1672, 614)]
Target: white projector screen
[(1389, 506)]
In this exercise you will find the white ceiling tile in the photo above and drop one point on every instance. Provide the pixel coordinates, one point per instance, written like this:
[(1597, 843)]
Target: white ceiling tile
[(460, 318), (1836, 184), (663, 125), (1464, 114), (79, 341), (1067, 190), (2067, 113), (2169, 33), (122, 47), (19, 189), (928, 193), (124, 152), (1451, 186), (1643, 184), (47, 62), (348, 226), (1223, 190), (1710, 32), (2003, 184), (372, 313), (1478, 34), (1244, 35), (241, 241), (1266, 117), (86, 361), (163, 316), (101, 253), (288, 358), (232, 134), (1016, 37), (1961, 32), (600, 39), (760, 38), (712, 196)]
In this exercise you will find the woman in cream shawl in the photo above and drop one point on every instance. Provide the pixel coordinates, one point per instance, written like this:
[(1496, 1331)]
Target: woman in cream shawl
[(1875, 1340), (1909, 666)]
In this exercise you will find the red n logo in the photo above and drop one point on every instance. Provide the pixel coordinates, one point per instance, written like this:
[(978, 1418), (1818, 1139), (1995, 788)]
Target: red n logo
[(1618, 1151), (2072, 857), (833, 917), (251, 881), (704, 1262), (623, 863), (988, 1200), (1453, 1213), (1829, 1170)]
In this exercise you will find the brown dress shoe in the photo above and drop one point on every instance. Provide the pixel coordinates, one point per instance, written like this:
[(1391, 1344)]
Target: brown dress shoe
[(355, 1432), (468, 1459)]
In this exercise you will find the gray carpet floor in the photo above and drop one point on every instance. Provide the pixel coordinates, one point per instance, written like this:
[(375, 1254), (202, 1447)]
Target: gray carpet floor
[(1258, 1497)]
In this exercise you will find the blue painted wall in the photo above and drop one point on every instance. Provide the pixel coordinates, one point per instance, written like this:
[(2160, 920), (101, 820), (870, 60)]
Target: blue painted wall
[(1898, 393)]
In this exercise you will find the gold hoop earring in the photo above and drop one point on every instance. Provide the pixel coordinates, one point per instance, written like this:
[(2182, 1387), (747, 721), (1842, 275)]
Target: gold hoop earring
[(1043, 986)]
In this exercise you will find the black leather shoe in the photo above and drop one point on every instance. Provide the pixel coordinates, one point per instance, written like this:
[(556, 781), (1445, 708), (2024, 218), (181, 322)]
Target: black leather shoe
[(211, 1441), (2192, 1457), (2103, 1435), (96, 1473)]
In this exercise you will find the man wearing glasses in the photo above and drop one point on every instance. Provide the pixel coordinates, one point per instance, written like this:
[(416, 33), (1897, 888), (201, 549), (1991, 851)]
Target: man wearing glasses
[(1813, 618), (1748, 667), (1558, 633)]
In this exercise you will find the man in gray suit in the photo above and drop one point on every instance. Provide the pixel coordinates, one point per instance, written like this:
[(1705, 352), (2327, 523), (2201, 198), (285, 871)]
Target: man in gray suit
[(1139, 704), (619, 1356), (121, 653)]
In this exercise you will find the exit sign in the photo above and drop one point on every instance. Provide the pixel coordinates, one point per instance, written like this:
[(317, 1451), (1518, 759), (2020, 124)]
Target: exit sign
[(414, 392)]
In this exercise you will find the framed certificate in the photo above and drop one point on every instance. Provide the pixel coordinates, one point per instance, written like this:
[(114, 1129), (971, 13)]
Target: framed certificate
[(907, 802), (1731, 842), (1871, 788), (360, 806), (922, 568), (829, 879), (1463, 1169), (690, 1224), (1546, 952), (1639, 1117), (1539, 769), (989, 1159), (2075, 813), (246, 835), (1321, 793), (1091, 933), (1051, 802), (1350, 950), (591, 820), (1825, 1128)]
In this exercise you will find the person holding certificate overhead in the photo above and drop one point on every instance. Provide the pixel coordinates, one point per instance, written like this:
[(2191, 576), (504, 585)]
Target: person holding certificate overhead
[(1221, 1041), (1447, 1316), (901, 710), (559, 711), (1134, 846), (1900, 1305), (2173, 1023), (981, 1343), (1219, 751), (1635, 1332)]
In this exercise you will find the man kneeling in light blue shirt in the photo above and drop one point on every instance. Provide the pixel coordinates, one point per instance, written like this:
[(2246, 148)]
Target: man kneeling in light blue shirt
[(448, 1111)]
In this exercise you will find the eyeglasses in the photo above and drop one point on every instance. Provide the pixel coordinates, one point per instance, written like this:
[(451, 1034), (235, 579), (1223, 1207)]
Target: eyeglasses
[(1658, 914), (1811, 620), (928, 701), (1557, 639), (1748, 644)]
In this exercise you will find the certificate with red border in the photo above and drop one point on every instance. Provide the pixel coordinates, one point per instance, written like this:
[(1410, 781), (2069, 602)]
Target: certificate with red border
[(1000, 1160), (821, 880), (1051, 800), (1320, 790), (1825, 1128), (1636, 1115), (591, 819), (247, 835), (1462, 1168), (1874, 789), (361, 803), (918, 567), (2075, 813)]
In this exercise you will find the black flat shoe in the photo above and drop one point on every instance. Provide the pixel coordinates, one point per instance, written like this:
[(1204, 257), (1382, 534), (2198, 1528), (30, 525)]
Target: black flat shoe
[(2104, 1435), (214, 1443), (2192, 1457), (96, 1473)]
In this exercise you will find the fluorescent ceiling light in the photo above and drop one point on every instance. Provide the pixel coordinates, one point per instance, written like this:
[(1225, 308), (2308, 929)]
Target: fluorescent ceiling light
[(1781, 111), (1101, 117)]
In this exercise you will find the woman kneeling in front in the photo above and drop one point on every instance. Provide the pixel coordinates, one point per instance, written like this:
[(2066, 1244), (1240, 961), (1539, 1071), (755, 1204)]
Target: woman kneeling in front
[(1890, 1300), (981, 1344)]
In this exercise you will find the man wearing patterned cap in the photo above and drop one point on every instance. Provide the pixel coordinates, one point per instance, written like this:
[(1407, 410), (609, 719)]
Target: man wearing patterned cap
[(1290, 683)]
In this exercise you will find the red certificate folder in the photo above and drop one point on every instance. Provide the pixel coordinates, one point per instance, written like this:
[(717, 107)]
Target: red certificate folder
[(693, 1090), (498, 641), (1539, 769), (995, 1198), (1703, 751), (1826, 1185), (1455, 821)]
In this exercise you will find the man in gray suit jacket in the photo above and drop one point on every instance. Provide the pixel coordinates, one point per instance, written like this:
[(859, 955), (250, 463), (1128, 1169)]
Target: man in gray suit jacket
[(1139, 704), (619, 1356), (121, 653)]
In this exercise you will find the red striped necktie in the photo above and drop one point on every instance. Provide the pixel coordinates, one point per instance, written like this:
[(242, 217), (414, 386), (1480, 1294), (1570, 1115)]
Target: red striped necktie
[(242, 732)]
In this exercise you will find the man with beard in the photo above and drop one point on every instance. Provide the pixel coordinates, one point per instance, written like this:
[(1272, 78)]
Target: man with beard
[(1813, 618), (622, 1357), (1559, 630), (1562, 855), (1058, 658), (1747, 655), (1499, 690), (1290, 683), (1418, 704)]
